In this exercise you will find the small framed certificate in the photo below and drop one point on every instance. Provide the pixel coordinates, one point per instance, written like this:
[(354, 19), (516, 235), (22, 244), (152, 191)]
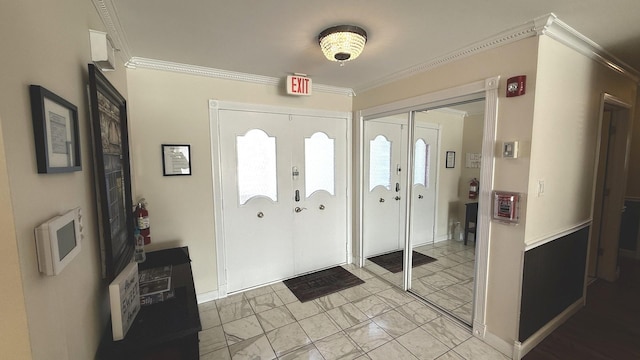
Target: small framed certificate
[(176, 159), (55, 126), (451, 160)]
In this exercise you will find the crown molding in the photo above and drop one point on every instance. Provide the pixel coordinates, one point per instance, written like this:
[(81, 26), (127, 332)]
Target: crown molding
[(506, 37), (548, 25), (565, 34), (109, 16), (144, 63)]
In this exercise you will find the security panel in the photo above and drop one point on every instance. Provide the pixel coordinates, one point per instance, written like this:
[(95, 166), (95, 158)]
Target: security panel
[(58, 241), (506, 207)]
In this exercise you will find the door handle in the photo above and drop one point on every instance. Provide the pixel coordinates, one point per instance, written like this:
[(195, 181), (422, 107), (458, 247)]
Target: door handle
[(299, 209), (397, 187), (397, 198), (321, 207), (297, 197), (381, 200), (420, 196), (260, 214)]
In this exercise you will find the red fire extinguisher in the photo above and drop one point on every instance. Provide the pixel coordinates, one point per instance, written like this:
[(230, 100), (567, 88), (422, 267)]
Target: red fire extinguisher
[(474, 187), (142, 220)]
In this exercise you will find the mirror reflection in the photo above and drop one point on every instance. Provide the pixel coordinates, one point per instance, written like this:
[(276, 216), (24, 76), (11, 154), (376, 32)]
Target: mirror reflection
[(443, 206)]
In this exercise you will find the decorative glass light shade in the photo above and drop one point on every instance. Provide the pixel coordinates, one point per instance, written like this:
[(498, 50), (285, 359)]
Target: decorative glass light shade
[(342, 43)]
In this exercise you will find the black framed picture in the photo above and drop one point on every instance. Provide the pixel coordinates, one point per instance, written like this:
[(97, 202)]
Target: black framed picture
[(176, 160), (112, 172), (55, 129), (451, 160)]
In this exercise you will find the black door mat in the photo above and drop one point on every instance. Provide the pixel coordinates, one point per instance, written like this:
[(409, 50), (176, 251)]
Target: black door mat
[(393, 261), (322, 283)]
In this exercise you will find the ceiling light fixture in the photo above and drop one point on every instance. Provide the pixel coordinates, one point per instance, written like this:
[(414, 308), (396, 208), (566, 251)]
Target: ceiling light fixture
[(342, 43)]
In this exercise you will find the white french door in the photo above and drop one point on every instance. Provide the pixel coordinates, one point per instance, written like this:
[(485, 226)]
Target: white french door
[(425, 167), (320, 213), (283, 195), (382, 181)]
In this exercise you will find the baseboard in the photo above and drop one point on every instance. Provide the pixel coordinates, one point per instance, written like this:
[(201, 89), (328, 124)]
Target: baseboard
[(440, 238), (208, 296), (498, 343), (521, 349), (629, 254)]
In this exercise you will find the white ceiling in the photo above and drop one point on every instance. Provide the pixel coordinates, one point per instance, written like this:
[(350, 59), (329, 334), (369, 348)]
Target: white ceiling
[(278, 37)]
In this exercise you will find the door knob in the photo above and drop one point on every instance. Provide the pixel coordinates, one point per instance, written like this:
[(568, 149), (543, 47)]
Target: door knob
[(381, 200), (420, 196), (321, 207), (299, 209), (260, 214), (397, 198)]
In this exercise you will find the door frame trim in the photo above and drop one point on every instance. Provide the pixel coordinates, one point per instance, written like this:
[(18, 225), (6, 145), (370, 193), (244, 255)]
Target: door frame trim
[(617, 105), (487, 89), (214, 129)]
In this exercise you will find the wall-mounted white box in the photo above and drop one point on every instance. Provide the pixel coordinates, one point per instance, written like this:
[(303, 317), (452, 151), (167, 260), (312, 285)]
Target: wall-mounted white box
[(102, 51)]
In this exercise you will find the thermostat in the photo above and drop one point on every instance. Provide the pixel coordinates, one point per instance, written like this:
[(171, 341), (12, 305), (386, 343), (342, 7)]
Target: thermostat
[(510, 149)]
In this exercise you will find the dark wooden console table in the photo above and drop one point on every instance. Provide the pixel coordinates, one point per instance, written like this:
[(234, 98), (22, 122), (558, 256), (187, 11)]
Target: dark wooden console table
[(471, 221), (166, 330)]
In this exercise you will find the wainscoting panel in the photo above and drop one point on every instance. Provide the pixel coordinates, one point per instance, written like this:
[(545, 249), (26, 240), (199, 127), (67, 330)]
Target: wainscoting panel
[(629, 225), (553, 279)]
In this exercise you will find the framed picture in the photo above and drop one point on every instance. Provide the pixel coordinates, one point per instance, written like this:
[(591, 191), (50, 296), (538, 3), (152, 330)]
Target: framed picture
[(176, 160), (112, 173), (451, 160), (55, 128)]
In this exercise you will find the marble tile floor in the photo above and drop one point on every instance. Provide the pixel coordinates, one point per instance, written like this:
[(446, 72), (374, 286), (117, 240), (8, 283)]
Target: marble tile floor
[(448, 282), (370, 321)]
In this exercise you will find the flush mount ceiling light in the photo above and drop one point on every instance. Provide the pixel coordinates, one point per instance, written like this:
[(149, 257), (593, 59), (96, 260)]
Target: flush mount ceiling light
[(343, 42)]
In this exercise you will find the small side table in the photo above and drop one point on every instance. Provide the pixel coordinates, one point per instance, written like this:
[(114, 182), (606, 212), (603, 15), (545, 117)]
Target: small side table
[(470, 221), (166, 330)]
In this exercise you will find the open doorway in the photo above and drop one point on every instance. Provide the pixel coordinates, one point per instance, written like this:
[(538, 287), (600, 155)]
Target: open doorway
[(608, 204)]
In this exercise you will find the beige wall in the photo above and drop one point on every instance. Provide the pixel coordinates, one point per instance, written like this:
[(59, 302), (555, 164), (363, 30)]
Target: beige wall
[(173, 108), (471, 143), (565, 136), (515, 116), (14, 332), (47, 44)]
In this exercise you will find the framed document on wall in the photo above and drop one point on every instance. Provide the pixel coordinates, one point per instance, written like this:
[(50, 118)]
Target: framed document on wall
[(176, 160), (55, 127), (451, 160)]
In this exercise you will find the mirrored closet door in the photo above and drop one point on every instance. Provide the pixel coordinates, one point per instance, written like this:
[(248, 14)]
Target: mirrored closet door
[(417, 169)]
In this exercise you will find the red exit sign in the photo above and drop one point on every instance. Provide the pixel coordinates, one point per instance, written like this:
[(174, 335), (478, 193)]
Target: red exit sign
[(298, 85)]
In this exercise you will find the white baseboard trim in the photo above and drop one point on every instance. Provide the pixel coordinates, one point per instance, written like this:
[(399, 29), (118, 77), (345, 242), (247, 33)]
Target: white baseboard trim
[(440, 238), (521, 349), (498, 343), (208, 296)]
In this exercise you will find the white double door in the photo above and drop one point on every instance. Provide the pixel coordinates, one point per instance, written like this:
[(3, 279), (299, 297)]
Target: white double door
[(385, 200), (284, 195)]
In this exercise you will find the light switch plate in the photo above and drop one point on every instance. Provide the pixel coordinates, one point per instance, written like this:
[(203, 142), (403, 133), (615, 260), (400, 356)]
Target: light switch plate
[(510, 149)]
